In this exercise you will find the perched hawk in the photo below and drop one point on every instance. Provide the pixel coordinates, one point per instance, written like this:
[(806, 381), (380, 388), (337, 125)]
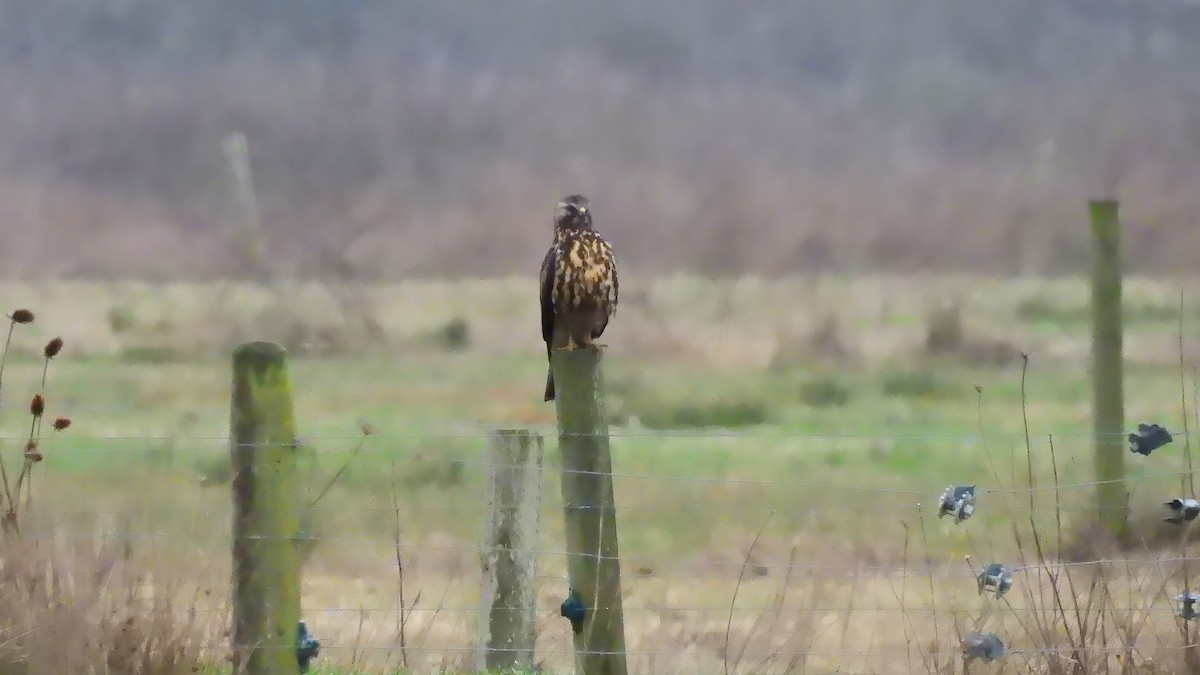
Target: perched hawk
[(578, 283)]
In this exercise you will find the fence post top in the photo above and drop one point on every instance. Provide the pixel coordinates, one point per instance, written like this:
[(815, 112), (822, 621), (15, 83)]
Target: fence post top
[(259, 347)]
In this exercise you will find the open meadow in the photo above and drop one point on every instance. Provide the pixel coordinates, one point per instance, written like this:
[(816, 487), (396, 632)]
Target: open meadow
[(781, 441), (853, 250)]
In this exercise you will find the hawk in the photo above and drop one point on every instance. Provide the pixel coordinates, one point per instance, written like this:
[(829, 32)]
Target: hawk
[(578, 283)]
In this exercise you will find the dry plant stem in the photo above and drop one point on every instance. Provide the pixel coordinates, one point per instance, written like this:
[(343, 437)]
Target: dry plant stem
[(1081, 617), (402, 619), (900, 600), (1035, 532), (1187, 443), (1195, 397), (12, 324), (736, 588), (353, 453), (1186, 535), (780, 600), (354, 656), (437, 611), (1025, 422), (1044, 626), (931, 662), (42, 391), (27, 466), (909, 632), (1187, 480), (987, 452), (1187, 438), (35, 436), (1187, 643), (1008, 505)]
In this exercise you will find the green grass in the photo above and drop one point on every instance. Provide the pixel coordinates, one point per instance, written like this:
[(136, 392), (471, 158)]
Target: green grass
[(709, 433), (420, 404), (913, 430)]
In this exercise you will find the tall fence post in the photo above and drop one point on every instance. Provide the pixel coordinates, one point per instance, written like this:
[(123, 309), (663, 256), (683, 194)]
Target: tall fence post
[(1108, 398), (510, 551), (266, 518), (589, 511)]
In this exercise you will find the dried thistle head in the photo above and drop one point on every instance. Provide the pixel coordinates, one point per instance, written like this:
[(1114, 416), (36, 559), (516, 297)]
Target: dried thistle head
[(37, 406), (32, 452), (21, 316), (366, 427), (62, 423), (53, 347)]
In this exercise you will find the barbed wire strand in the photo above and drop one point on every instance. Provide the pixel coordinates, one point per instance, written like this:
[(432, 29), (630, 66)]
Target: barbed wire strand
[(488, 432), (767, 609), (726, 480), (557, 506), (476, 548), (1094, 649)]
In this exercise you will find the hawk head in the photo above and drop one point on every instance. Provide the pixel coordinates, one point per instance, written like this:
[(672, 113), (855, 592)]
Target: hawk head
[(573, 213)]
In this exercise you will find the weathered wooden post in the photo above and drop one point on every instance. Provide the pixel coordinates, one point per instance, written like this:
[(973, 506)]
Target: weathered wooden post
[(266, 517), (510, 551), (1108, 398), (590, 518)]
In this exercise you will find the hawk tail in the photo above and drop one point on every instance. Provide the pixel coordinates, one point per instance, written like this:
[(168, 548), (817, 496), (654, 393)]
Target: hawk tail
[(549, 376), (549, 385)]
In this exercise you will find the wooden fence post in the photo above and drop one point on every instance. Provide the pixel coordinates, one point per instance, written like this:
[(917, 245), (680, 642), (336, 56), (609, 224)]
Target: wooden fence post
[(266, 518), (1108, 398), (590, 520), (509, 555)]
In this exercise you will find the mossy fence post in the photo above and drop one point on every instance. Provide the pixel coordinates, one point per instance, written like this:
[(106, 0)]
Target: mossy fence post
[(590, 519), (266, 517), (510, 550), (1108, 369)]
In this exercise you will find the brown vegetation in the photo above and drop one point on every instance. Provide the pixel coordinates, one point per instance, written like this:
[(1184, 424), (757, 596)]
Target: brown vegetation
[(84, 607), (405, 139), (72, 605)]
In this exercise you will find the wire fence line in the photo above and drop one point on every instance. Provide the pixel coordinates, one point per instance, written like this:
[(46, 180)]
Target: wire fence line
[(914, 571), (425, 508), (881, 499), (716, 609), (483, 431), (718, 655), (213, 446)]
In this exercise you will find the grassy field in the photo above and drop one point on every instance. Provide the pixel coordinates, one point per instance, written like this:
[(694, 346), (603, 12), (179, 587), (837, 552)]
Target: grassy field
[(827, 414)]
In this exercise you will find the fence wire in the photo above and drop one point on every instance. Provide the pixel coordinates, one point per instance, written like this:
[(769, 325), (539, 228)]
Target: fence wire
[(931, 598)]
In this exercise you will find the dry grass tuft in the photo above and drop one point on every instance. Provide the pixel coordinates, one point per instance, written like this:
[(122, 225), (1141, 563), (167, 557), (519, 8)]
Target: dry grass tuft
[(947, 336), (68, 608), (826, 343)]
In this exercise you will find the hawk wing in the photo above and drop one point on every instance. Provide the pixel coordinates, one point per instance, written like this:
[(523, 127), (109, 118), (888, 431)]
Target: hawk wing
[(610, 304), (549, 263)]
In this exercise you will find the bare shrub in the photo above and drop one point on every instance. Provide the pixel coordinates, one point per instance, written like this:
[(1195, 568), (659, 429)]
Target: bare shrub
[(69, 607)]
